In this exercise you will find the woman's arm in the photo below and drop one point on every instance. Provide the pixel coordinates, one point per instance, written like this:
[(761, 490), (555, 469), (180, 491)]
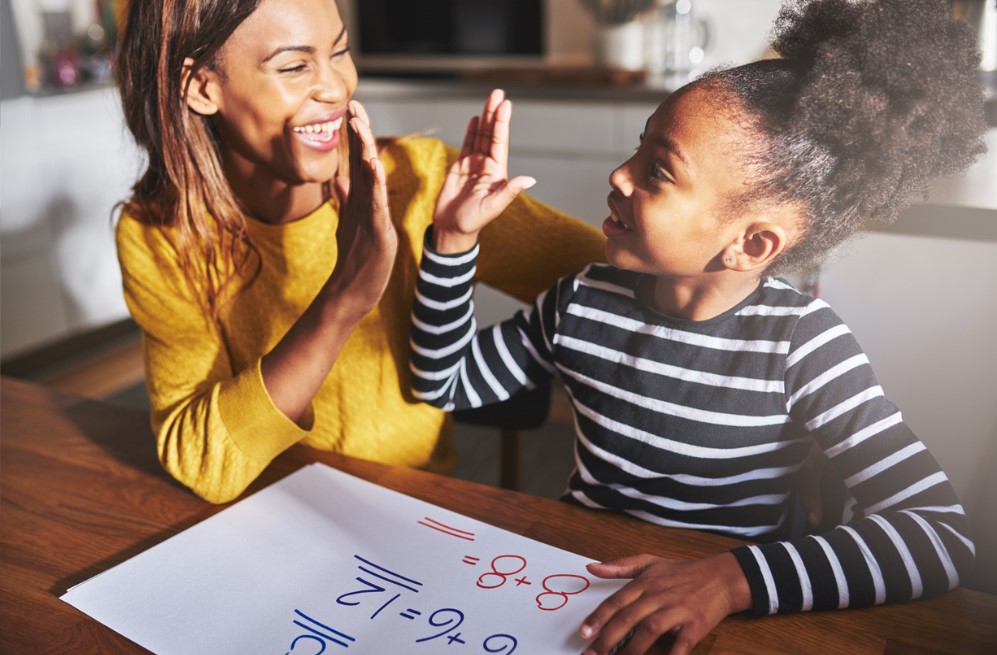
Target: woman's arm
[(217, 428), (295, 368)]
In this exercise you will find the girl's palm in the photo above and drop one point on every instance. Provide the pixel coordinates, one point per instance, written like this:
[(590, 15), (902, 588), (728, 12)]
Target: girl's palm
[(477, 189)]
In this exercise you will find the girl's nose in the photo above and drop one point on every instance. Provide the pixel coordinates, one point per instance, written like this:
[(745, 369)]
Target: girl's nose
[(621, 180)]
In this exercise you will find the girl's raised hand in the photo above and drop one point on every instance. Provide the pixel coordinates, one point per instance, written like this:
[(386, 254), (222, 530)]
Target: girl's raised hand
[(477, 189), (366, 237)]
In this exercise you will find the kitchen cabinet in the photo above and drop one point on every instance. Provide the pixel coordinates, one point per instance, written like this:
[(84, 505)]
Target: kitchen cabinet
[(66, 160)]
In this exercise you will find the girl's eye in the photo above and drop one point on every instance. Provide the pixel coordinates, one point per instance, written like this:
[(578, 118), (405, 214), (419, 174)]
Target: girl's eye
[(659, 173), (297, 68), (340, 53)]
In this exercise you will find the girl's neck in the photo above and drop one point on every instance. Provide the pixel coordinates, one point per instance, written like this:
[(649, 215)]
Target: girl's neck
[(699, 301)]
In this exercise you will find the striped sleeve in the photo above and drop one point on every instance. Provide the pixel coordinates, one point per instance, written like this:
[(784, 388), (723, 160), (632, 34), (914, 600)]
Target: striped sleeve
[(454, 366), (909, 536)]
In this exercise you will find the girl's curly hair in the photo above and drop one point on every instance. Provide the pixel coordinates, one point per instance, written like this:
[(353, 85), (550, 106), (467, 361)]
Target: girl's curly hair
[(870, 103)]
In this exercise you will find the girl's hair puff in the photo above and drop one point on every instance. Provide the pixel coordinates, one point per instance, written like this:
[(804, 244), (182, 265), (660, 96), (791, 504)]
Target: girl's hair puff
[(870, 103)]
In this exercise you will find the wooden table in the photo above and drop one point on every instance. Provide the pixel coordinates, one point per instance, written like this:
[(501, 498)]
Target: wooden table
[(81, 490)]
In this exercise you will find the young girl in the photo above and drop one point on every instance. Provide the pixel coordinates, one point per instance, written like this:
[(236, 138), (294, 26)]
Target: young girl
[(271, 281), (698, 381)]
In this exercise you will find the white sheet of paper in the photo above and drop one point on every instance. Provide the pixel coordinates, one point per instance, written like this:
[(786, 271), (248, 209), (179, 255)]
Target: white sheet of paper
[(326, 562)]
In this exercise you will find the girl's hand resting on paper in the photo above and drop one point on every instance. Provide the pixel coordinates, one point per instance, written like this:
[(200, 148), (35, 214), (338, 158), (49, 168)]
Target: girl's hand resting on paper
[(684, 598), (476, 189), (366, 237)]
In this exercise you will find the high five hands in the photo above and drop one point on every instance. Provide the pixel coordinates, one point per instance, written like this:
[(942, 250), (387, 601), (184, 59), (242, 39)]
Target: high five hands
[(477, 189)]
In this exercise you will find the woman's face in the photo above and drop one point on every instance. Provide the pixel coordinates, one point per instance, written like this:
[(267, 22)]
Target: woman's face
[(283, 82), (669, 204)]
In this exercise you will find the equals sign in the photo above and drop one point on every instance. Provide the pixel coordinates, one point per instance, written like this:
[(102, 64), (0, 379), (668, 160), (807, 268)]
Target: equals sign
[(471, 560), (414, 613)]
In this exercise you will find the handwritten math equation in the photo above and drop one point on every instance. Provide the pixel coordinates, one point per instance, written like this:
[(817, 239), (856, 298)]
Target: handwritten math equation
[(382, 594)]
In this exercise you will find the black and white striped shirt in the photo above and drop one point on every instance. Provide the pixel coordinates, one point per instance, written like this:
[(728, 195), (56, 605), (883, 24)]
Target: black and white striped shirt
[(704, 424)]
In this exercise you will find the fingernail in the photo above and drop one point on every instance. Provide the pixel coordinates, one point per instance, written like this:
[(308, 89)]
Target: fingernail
[(587, 631), (528, 183)]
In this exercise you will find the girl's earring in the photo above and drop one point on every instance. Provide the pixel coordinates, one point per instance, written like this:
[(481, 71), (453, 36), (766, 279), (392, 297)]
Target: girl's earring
[(728, 260)]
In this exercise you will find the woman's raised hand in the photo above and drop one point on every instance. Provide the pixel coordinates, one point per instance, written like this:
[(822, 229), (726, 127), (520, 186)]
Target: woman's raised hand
[(476, 189), (366, 237)]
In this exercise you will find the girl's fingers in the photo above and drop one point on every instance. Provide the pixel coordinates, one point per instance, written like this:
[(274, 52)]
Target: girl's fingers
[(499, 147), (625, 567), (470, 137), (483, 143), (595, 622)]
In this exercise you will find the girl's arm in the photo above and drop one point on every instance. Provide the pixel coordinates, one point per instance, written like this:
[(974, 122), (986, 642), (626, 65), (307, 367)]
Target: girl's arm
[(909, 537)]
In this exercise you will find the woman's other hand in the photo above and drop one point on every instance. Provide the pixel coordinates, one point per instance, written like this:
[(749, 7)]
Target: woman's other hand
[(685, 599), (366, 238), (477, 189)]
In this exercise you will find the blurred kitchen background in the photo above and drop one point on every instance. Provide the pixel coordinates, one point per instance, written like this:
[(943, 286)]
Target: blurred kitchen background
[(584, 75)]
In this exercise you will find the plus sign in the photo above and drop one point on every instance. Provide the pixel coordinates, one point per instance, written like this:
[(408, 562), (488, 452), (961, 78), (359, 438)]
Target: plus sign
[(522, 581), (456, 637)]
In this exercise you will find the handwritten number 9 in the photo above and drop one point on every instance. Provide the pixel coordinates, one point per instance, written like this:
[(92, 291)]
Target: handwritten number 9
[(552, 599), (451, 624), (510, 643), (501, 575), (295, 643)]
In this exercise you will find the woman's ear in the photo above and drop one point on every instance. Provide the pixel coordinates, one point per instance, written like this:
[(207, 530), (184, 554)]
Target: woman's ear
[(199, 88), (757, 247)]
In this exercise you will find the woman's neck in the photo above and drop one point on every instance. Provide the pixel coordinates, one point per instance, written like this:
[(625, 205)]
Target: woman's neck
[(700, 301), (278, 204), (269, 199)]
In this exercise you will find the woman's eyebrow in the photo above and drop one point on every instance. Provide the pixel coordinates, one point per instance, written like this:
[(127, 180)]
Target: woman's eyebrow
[(307, 49)]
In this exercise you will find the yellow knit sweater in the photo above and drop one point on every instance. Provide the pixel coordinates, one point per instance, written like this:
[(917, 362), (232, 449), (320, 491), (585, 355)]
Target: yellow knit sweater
[(217, 428)]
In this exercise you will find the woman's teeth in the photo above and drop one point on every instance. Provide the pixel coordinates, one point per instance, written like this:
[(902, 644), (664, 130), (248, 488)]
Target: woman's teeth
[(620, 223), (323, 131)]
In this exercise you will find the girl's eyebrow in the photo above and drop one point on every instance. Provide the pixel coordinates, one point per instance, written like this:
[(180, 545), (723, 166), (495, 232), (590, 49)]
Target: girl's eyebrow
[(307, 49), (672, 147)]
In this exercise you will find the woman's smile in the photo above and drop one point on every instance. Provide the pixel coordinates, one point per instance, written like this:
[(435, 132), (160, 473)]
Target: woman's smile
[(321, 134)]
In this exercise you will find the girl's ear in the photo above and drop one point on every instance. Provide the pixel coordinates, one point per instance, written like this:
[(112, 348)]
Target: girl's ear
[(756, 248), (201, 92)]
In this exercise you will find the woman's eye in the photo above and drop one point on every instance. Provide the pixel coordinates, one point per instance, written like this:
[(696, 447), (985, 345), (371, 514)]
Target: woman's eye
[(340, 53), (297, 68)]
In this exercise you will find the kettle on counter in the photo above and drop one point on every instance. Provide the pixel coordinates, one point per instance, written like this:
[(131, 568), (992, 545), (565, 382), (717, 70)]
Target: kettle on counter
[(982, 17)]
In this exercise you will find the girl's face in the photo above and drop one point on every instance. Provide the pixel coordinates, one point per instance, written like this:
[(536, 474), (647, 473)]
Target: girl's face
[(669, 209), (285, 77)]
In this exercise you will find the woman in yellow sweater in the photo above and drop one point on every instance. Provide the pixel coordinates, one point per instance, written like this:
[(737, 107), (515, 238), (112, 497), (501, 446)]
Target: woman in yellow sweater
[(269, 251)]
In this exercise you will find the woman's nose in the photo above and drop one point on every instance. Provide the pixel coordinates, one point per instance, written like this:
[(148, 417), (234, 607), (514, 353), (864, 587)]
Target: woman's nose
[(331, 86)]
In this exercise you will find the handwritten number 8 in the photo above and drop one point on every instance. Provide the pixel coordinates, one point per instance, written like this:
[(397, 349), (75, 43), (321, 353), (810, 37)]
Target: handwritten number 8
[(501, 575), (559, 598)]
